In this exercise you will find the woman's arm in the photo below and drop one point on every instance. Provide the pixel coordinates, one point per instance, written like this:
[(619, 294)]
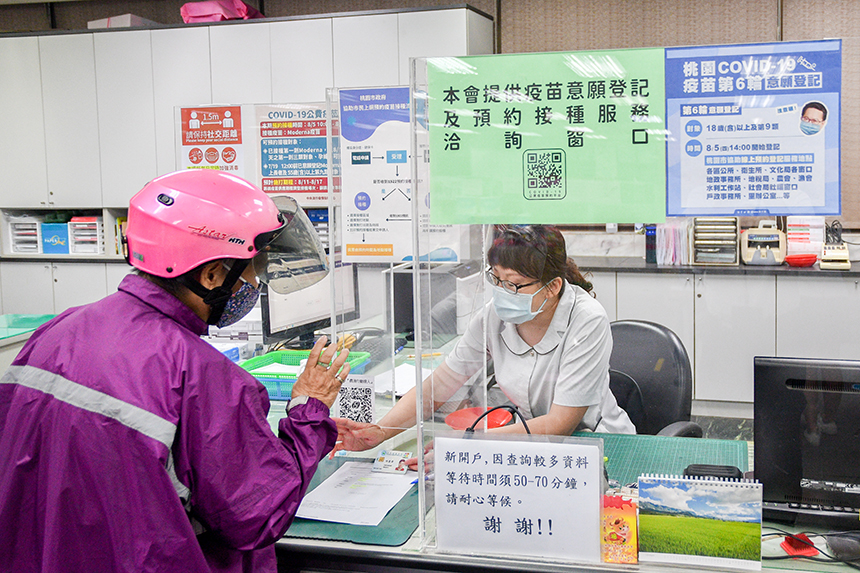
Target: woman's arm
[(436, 388), (560, 420)]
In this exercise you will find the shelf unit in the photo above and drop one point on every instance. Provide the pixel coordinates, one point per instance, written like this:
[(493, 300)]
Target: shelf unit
[(92, 235)]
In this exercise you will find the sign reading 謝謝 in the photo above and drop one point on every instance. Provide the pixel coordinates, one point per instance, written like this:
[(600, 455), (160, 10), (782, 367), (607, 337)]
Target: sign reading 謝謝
[(506, 497), (755, 129), (546, 138)]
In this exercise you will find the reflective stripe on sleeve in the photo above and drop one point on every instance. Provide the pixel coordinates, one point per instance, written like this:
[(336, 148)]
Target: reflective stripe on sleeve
[(80, 396)]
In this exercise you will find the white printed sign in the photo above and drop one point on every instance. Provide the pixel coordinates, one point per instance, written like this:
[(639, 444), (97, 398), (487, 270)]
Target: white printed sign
[(536, 499)]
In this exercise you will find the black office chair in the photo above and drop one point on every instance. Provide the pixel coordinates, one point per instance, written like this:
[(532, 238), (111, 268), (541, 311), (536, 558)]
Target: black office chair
[(656, 360), (628, 396)]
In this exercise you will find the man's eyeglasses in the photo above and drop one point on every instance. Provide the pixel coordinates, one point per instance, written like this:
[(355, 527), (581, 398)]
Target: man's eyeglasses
[(810, 120), (507, 285)]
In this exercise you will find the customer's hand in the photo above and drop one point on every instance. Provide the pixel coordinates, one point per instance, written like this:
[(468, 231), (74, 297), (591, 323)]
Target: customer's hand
[(356, 436), (324, 373), (429, 453)]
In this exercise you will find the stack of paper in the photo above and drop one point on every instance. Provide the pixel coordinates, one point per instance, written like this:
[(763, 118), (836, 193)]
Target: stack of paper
[(401, 379), (805, 235), (673, 242)]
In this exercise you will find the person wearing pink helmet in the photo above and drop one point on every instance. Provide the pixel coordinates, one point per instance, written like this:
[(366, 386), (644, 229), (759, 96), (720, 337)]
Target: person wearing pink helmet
[(127, 443)]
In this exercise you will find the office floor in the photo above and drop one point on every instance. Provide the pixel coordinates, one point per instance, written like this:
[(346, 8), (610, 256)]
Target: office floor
[(725, 428)]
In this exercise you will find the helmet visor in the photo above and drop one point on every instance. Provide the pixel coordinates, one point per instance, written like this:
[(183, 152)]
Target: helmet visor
[(291, 257)]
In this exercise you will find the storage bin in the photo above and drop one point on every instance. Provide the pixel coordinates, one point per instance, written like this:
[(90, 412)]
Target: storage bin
[(280, 385)]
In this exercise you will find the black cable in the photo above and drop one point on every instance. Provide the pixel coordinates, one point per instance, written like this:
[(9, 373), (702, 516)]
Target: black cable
[(833, 233), (794, 536), (512, 409)]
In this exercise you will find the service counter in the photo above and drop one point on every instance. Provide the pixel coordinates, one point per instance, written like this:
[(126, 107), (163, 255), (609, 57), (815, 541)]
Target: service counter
[(312, 546), (15, 330), (727, 315)]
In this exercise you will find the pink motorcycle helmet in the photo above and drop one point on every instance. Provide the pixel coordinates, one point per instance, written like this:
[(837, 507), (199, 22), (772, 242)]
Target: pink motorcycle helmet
[(182, 220)]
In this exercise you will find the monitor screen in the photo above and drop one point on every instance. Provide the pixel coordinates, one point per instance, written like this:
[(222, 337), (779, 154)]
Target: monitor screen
[(807, 438), (299, 314)]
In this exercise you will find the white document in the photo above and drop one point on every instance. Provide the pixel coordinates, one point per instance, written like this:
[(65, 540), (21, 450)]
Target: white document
[(356, 495), (404, 379), (279, 369)]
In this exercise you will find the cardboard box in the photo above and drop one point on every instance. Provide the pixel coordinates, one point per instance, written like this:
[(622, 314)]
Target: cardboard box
[(122, 21)]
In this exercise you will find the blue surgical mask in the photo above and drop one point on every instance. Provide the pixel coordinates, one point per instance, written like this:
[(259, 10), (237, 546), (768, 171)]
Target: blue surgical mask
[(239, 304), (809, 128), (513, 307)]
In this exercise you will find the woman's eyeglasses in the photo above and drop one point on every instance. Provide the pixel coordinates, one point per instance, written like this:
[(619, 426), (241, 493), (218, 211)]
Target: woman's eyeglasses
[(507, 285)]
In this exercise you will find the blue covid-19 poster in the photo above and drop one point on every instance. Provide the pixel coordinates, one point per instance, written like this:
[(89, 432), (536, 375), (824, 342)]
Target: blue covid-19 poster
[(754, 129)]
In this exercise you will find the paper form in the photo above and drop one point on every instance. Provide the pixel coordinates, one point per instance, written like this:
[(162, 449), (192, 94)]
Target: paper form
[(356, 495), (404, 379)]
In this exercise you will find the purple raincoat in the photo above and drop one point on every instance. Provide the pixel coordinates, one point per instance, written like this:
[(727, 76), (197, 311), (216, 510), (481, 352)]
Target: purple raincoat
[(127, 443)]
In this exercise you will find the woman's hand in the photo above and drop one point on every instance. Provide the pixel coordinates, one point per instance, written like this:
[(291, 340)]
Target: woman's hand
[(356, 436), (322, 376)]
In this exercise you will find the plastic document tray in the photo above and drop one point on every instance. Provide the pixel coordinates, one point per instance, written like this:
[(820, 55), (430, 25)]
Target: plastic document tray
[(280, 386)]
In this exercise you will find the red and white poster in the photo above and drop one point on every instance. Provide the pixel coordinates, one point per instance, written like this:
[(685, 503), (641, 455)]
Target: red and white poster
[(212, 139)]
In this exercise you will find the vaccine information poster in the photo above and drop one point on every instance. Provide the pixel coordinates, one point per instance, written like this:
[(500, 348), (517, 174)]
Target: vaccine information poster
[(212, 139), (540, 499), (755, 129), (377, 182), (294, 152), (548, 138)]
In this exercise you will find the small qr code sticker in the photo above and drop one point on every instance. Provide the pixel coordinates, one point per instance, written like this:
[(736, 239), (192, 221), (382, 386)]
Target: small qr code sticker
[(544, 174), (355, 400)]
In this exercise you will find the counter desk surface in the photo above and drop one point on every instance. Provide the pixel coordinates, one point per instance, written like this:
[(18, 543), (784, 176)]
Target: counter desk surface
[(311, 546)]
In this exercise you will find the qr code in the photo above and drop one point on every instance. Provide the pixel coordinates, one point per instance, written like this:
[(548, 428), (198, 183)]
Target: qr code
[(543, 174), (355, 400)]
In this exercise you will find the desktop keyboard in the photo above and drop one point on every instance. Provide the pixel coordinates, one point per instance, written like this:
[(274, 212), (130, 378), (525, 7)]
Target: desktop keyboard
[(836, 517)]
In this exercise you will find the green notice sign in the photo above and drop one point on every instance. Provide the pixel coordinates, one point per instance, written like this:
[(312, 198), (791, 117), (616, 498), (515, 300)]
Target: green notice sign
[(559, 138)]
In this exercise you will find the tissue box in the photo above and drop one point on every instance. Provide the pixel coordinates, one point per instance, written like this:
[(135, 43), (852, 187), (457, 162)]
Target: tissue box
[(55, 238), (122, 21)]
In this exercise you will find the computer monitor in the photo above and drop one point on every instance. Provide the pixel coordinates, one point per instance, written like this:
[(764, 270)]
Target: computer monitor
[(298, 315), (807, 440)]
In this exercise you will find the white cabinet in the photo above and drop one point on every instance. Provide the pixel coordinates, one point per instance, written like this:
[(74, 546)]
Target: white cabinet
[(50, 288), (241, 64), (22, 146), (115, 273), (302, 67), (439, 33), (604, 289), (818, 317), (126, 110), (28, 288), (666, 299), (366, 51), (735, 321), (71, 121), (77, 283), (181, 77)]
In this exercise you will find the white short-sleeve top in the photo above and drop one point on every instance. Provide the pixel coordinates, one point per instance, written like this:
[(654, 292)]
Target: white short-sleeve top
[(568, 367)]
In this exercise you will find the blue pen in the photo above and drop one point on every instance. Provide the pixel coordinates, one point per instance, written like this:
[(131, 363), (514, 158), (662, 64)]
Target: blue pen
[(399, 349)]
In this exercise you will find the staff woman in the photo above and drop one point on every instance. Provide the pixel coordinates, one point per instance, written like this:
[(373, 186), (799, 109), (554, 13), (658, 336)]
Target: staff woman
[(548, 337)]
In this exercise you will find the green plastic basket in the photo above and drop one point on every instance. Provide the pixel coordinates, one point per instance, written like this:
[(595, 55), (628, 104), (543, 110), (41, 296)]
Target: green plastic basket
[(280, 386)]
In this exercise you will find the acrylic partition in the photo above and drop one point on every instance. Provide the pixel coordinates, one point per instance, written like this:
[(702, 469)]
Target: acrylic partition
[(499, 165), (452, 300)]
